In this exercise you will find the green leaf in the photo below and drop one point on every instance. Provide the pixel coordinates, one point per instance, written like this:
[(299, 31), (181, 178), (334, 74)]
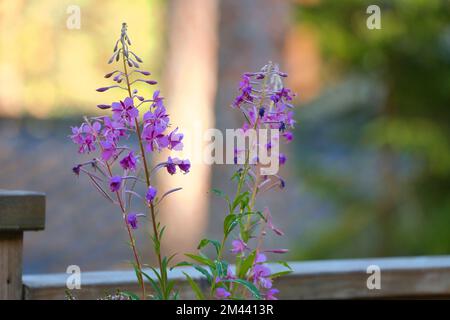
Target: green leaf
[(182, 264), (154, 285), (161, 233), (130, 295), (250, 286), (221, 268), (205, 273), (279, 274), (241, 200), (171, 257), (170, 285), (218, 192), (236, 175), (138, 274), (157, 274), (284, 264), (205, 242), (221, 194), (229, 223), (198, 292), (247, 264), (201, 259)]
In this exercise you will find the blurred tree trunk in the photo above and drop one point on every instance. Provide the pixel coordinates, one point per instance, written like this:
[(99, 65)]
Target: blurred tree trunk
[(190, 82), (251, 32)]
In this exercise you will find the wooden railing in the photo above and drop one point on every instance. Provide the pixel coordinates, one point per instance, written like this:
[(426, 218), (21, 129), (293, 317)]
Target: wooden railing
[(19, 211), (408, 277), (416, 277)]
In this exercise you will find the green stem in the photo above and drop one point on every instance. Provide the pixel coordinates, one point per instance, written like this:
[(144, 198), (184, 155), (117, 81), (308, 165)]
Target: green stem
[(147, 178), (247, 226), (130, 234)]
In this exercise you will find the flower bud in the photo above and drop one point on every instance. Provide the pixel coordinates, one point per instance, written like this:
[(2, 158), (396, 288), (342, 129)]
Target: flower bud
[(103, 106), (151, 194), (103, 89)]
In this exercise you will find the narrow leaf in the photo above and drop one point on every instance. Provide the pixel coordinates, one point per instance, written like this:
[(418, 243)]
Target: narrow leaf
[(198, 292)]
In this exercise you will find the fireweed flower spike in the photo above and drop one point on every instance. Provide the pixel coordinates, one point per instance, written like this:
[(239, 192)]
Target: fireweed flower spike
[(117, 167), (265, 103)]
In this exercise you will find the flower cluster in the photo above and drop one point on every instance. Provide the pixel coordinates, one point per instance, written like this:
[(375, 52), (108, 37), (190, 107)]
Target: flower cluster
[(117, 168), (265, 104), (264, 101)]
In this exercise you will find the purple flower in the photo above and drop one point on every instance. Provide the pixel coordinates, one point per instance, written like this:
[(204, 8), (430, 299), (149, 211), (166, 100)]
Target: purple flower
[(129, 162), (157, 100), (172, 163), (239, 246), (109, 150), (284, 94), (77, 169), (85, 136), (184, 165), (171, 166), (132, 220), (222, 293), (288, 136), (154, 137), (261, 276), (246, 90), (270, 294), (282, 158), (175, 140), (158, 118), (113, 130), (115, 183), (229, 275), (125, 111), (151, 194), (260, 258)]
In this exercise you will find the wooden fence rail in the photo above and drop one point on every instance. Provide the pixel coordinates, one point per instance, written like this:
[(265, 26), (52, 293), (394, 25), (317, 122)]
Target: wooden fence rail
[(407, 277), (19, 211)]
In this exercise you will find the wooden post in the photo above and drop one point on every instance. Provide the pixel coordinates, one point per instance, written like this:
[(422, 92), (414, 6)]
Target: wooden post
[(19, 211)]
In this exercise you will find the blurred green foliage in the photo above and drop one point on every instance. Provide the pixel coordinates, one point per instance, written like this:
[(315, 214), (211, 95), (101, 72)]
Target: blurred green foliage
[(407, 210)]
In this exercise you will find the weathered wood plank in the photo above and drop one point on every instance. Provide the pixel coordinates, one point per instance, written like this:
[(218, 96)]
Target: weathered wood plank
[(11, 265), (21, 210), (330, 279)]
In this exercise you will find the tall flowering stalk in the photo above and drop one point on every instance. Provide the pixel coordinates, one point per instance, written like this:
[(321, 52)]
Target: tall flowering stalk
[(117, 168), (265, 104)]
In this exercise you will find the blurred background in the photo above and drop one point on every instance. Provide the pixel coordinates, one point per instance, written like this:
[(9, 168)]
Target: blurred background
[(368, 173)]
